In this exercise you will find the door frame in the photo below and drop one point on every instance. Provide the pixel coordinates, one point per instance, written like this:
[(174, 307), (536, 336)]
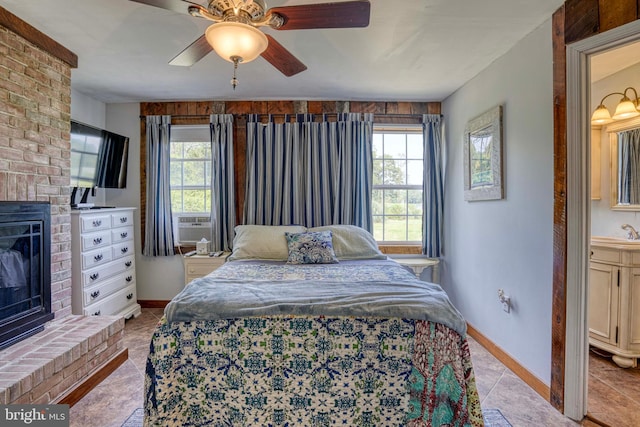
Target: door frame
[(579, 208)]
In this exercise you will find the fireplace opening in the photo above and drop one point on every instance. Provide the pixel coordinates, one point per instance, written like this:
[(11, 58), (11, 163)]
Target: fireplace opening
[(25, 270)]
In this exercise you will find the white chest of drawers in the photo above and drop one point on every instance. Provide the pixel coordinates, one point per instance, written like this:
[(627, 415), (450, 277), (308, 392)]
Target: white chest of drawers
[(103, 263)]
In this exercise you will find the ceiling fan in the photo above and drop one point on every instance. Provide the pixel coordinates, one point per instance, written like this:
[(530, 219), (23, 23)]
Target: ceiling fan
[(236, 37)]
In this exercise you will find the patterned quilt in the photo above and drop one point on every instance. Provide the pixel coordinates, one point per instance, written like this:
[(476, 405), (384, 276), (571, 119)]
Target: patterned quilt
[(309, 371)]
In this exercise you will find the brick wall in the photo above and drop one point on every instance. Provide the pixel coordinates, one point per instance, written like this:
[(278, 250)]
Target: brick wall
[(35, 109)]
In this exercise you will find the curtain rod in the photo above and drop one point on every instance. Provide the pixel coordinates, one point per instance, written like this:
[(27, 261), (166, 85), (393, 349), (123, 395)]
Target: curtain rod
[(206, 116)]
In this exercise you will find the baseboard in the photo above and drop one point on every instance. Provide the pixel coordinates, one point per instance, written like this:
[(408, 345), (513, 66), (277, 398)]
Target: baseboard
[(595, 420), (532, 381), (153, 303), (74, 396)]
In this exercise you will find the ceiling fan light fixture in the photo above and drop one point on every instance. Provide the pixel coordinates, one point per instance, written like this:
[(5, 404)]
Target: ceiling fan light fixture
[(236, 40)]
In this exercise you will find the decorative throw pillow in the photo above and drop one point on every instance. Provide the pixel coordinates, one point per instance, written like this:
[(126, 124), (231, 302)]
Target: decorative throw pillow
[(310, 248)]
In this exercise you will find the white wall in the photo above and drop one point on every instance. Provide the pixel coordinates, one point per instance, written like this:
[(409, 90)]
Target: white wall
[(604, 221), (506, 243), (157, 278)]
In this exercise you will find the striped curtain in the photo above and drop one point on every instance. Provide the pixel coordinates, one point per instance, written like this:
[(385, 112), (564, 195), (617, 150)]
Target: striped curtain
[(629, 167), (433, 185), (158, 231), (223, 211), (309, 173)]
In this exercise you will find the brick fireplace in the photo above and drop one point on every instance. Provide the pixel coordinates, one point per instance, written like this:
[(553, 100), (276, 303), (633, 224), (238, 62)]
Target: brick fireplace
[(35, 109)]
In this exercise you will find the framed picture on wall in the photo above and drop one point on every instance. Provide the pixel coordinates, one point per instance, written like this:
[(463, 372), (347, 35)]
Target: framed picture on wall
[(483, 179)]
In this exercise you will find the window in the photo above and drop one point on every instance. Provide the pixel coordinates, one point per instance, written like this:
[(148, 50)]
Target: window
[(397, 184), (190, 169)]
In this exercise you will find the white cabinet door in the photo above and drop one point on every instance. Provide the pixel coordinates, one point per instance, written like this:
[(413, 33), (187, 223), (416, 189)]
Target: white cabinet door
[(634, 310), (603, 302)]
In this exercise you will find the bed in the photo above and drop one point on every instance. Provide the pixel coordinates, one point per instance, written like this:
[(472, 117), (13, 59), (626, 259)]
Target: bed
[(310, 327)]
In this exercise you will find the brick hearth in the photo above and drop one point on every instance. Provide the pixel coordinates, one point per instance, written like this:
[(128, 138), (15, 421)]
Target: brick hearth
[(47, 366)]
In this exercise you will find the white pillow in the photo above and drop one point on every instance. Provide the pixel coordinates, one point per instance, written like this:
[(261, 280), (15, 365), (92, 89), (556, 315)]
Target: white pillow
[(352, 242), (262, 242)]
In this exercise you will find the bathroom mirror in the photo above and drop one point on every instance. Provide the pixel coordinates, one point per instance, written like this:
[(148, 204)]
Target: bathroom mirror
[(624, 175)]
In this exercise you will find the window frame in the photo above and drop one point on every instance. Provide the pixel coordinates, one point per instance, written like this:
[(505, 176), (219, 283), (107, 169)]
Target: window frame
[(404, 129), (182, 160)]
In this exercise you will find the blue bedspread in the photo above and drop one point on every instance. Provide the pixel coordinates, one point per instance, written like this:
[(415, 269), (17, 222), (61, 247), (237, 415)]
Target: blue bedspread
[(371, 288)]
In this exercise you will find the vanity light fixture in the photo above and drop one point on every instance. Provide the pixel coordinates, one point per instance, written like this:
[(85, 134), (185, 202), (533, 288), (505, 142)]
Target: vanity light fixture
[(626, 109)]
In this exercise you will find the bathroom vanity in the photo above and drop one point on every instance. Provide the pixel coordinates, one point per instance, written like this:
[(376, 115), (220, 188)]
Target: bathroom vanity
[(614, 298)]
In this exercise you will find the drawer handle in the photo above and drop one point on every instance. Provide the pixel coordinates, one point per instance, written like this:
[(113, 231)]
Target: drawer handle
[(129, 278), (123, 219), (95, 294), (97, 240), (591, 253), (98, 257), (97, 222), (124, 235), (97, 313), (129, 296), (94, 276), (128, 263), (124, 250)]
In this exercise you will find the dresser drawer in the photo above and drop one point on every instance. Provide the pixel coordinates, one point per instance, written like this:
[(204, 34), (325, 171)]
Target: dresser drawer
[(605, 255), (96, 240), (98, 274), (96, 257), (95, 223), (122, 249), (107, 287), (121, 219), (114, 303), (122, 234)]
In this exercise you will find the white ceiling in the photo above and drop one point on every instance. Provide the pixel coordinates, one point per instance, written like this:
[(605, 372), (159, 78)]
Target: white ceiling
[(413, 50), (610, 62)]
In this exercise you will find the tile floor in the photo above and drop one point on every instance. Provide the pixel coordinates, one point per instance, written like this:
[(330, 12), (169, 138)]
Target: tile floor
[(614, 393), (112, 401)]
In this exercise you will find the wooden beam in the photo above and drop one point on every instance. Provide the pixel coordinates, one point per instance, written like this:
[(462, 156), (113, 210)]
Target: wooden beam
[(31, 34), (581, 19), (614, 13), (558, 308)]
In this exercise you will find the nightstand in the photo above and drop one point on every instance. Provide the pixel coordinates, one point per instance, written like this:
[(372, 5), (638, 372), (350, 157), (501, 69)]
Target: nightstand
[(200, 265), (418, 264)]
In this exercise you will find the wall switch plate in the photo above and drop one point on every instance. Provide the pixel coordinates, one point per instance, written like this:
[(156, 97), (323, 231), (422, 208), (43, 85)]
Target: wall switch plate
[(506, 304), (505, 300)]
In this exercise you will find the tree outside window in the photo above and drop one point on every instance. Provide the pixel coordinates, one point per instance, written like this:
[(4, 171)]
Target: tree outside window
[(397, 184), (190, 170)]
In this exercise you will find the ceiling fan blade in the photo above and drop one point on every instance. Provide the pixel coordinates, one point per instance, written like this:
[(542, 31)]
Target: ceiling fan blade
[(282, 59), (348, 14), (193, 53), (180, 6)]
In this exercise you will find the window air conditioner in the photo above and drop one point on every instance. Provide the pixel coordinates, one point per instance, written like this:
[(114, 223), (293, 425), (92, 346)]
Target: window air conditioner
[(192, 228)]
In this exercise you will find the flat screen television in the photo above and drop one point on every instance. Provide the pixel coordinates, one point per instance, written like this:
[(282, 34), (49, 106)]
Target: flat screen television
[(98, 157)]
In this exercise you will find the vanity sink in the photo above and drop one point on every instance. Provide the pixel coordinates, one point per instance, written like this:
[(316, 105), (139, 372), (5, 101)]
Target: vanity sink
[(615, 242)]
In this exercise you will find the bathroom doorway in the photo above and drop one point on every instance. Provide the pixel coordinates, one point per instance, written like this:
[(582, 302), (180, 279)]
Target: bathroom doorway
[(613, 383)]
